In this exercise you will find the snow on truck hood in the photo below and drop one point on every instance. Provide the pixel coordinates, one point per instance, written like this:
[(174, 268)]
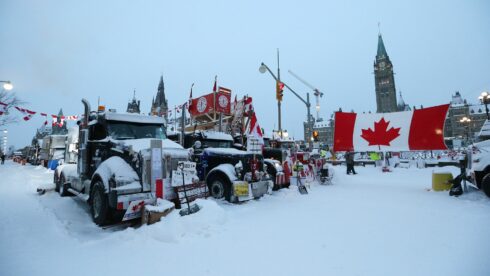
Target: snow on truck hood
[(121, 169), (134, 118), (142, 144), (169, 147), (230, 151)]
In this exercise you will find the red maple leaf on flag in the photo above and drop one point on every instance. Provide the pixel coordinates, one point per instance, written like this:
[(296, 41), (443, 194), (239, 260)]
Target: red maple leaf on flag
[(381, 136)]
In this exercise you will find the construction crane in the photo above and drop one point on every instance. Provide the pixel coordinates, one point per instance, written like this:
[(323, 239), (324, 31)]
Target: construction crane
[(317, 92)]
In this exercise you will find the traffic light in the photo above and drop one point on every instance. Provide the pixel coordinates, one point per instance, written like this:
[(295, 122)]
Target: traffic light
[(279, 90), (315, 135)]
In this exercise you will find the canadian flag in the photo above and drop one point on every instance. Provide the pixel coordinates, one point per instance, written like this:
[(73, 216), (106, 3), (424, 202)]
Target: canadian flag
[(421, 129), (255, 129), (27, 113), (247, 105)]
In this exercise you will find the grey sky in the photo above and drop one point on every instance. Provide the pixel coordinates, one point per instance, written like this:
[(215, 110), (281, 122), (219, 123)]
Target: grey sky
[(56, 52)]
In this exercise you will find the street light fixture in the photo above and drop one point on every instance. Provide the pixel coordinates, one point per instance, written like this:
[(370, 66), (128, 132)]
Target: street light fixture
[(7, 85), (466, 121), (485, 99)]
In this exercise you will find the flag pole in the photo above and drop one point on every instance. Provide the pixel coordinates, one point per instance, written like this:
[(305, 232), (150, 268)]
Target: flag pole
[(214, 95)]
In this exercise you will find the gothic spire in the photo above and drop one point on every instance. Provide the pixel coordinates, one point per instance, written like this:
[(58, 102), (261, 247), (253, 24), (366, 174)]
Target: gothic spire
[(161, 92), (381, 48)]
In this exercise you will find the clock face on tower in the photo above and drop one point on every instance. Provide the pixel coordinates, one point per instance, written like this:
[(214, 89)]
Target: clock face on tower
[(201, 104), (223, 101)]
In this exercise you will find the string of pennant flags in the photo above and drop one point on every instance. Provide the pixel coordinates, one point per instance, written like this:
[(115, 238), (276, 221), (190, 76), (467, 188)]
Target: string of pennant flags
[(28, 114)]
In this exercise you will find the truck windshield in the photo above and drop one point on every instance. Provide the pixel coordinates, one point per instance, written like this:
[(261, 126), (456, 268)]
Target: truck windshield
[(217, 144), (287, 145), (125, 130)]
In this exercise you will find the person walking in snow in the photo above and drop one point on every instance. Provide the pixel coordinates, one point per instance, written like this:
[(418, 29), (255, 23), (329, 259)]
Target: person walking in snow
[(3, 158), (349, 161)]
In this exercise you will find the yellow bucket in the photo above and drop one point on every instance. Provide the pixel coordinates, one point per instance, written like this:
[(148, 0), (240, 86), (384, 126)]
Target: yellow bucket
[(440, 181)]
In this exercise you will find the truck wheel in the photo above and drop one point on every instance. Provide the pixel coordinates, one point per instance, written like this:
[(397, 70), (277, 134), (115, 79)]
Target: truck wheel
[(63, 188), (218, 188), (485, 184), (99, 204), (56, 182)]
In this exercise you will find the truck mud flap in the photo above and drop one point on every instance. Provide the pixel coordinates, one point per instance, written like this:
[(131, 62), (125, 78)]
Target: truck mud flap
[(135, 208)]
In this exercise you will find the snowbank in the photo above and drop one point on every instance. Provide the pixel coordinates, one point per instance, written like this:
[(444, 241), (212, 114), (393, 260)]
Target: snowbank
[(372, 223)]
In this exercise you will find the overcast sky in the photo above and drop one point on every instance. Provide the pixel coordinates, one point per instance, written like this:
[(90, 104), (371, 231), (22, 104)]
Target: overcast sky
[(56, 52)]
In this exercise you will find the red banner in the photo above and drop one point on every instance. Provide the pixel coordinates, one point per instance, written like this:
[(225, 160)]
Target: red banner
[(223, 102), (202, 105), (206, 104)]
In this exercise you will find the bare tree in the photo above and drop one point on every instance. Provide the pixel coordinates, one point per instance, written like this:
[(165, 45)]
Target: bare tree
[(11, 100)]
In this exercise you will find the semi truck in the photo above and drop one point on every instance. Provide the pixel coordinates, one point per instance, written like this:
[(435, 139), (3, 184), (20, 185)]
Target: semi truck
[(120, 157)]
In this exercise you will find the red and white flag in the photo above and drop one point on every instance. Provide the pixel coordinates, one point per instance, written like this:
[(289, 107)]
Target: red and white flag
[(247, 105), (71, 118), (421, 129), (255, 129), (3, 108), (26, 112), (55, 120), (224, 90)]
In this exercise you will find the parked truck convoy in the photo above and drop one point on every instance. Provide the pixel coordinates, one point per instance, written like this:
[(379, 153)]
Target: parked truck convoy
[(52, 150), (230, 173), (118, 159)]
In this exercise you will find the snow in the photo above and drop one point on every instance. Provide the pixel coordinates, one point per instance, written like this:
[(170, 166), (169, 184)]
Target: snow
[(69, 170), (371, 223), (228, 169), (216, 135), (133, 117), (142, 144), (230, 151), (161, 206), (121, 170), (485, 129)]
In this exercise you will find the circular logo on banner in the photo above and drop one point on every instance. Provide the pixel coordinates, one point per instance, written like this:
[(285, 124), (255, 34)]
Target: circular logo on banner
[(223, 101), (201, 104)]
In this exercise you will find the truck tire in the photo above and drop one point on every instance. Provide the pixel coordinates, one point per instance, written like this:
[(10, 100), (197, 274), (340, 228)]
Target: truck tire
[(219, 188), (63, 187), (99, 204), (56, 182), (485, 184)]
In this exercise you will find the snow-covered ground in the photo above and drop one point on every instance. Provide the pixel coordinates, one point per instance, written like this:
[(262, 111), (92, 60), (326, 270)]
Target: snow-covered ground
[(372, 223)]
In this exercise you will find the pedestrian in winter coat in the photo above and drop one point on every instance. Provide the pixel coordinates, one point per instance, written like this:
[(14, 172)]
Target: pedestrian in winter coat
[(3, 158), (349, 160)]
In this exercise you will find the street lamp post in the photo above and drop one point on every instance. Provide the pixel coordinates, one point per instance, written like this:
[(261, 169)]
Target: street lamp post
[(485, 99), (7, 85), (262, 69), (3, 144), (466, 122)]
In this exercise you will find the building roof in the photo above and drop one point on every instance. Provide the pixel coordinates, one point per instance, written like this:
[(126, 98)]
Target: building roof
[(477, 109)]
